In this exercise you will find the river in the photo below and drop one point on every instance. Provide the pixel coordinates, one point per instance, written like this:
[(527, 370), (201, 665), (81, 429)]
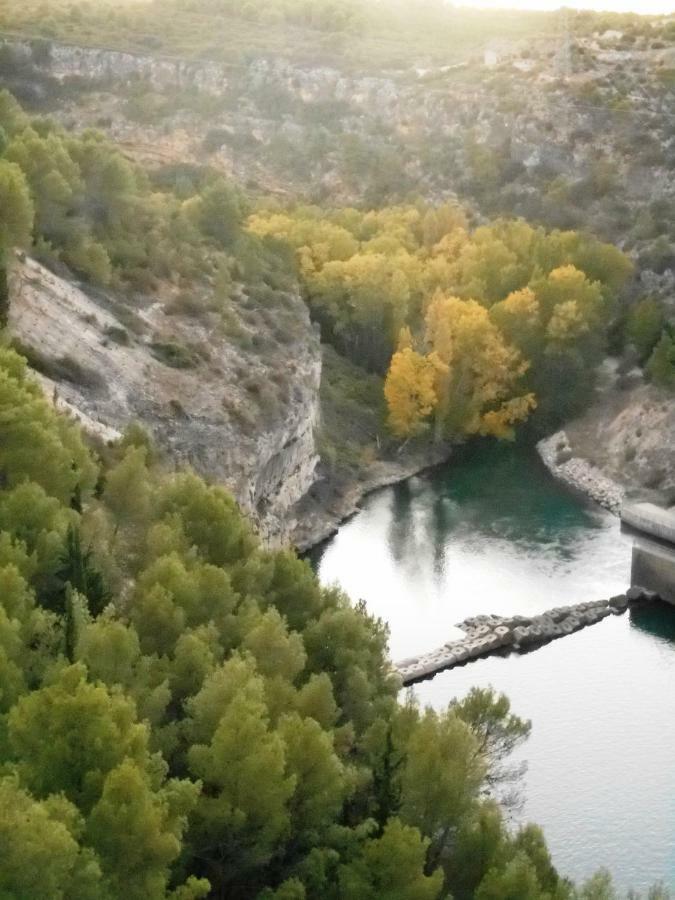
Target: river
[(493, 532)]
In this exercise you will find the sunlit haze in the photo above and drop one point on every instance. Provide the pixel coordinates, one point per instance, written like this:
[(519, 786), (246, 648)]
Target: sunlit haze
[(653, 7)]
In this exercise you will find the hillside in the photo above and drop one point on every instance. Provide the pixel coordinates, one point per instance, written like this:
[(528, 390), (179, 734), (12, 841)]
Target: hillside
[(570, 129), (570, 132), (257, 260)]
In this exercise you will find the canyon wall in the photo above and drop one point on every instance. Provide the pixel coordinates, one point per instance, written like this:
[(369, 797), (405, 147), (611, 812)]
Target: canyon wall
[(107, 375)]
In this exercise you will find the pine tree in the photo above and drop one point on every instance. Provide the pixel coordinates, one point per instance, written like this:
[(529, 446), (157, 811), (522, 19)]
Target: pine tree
[(78, 572), (4, 293)]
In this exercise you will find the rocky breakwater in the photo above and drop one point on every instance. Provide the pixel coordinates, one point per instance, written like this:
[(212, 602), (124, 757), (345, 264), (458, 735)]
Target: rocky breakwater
[(621, 448), (486, 635), (580, 473)]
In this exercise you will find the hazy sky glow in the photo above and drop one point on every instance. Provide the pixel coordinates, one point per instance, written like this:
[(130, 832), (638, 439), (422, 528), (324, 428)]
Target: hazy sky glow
[(660, 7)]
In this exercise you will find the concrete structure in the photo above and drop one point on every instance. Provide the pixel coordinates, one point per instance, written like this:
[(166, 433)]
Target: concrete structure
[(653, 562), (650, 519), (653, 568)]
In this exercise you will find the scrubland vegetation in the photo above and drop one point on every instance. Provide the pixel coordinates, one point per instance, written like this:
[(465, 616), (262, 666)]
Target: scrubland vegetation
[(235, 32), (390, 34), (110, 223)]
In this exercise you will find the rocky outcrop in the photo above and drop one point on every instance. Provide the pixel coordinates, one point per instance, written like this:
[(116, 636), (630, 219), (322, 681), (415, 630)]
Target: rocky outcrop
[(239, 418), (622, 447), (486, 634), (288, 123), (100, 64)]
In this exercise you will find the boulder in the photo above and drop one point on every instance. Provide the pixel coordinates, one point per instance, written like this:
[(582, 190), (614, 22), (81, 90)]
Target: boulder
[(598, 604), (519, 634), (619, 602), (505, 634), (531, 635), (424, 667), (481, 630), (492, 641), (559, 613)]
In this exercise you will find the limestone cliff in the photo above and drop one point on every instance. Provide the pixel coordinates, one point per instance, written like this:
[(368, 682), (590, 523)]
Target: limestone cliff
[(239, 418)]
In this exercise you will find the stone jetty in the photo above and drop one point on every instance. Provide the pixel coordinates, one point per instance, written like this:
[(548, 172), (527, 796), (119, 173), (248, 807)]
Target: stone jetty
[(486, 635)]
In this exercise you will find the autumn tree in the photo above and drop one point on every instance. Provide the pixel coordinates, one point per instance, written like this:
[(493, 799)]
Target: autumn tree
[(477, 372), (409, 390)]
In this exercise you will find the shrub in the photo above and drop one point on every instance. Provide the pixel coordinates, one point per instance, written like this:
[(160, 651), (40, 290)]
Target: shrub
[(174, 355), (118, 335)]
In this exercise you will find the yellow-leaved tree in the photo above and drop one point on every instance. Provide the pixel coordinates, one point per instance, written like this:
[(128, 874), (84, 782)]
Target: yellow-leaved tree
[(409, 390), (469, 370)]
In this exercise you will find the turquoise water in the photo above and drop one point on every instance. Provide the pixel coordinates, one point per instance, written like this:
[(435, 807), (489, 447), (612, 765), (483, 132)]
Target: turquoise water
[(492, 532)]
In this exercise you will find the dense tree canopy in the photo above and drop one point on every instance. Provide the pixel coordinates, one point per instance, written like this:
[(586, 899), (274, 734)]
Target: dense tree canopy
[(197, 716), (508, 316)]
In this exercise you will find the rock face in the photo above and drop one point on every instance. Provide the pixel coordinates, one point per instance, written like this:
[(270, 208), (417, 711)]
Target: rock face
[(107, 365), (98, 64), (623, 447), (488, 634)]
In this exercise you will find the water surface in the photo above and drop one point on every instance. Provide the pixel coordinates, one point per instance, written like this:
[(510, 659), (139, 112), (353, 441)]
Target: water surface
[(492, 532)]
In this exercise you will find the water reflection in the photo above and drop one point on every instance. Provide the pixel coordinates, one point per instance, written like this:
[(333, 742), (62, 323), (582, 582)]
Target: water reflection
[(400, 533)]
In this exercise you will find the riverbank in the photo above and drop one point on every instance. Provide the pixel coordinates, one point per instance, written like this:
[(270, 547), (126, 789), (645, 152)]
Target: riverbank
[(330, 503), (358, 454), (580, 474), (622, 447)]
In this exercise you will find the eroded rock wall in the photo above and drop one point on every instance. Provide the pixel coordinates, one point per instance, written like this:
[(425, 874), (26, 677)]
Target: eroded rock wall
[(205, 416)]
